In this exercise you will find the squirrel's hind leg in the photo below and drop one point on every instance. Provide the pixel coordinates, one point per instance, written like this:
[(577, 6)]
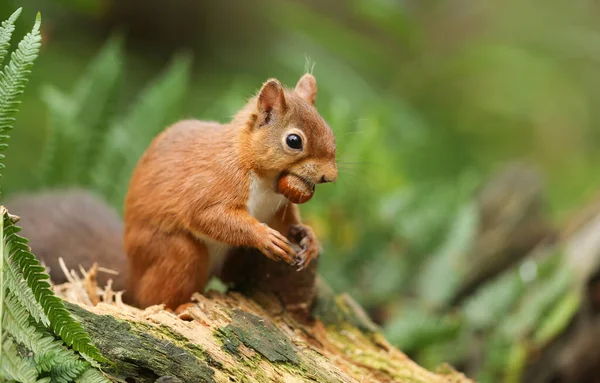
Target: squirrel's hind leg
[(178, 267)]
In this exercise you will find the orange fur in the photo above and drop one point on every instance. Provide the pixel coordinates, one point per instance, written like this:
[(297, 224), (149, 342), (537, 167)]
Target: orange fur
[(202, 187)]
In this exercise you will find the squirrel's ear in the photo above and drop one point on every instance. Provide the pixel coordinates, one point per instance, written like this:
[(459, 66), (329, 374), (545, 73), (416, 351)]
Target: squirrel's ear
[(307, 88), (271, 99)]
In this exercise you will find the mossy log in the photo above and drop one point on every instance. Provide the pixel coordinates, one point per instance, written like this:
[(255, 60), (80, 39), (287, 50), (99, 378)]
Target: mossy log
[(227, 337)]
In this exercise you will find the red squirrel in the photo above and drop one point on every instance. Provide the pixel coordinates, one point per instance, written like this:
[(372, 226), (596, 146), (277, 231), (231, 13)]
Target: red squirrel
[(200, 192), (202, 189)]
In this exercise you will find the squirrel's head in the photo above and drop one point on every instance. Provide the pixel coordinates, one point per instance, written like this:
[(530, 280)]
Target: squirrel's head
[(288, 136)]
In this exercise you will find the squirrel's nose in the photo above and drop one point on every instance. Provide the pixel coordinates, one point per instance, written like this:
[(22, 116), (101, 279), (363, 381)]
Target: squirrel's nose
[(328, 178), (330, 174)]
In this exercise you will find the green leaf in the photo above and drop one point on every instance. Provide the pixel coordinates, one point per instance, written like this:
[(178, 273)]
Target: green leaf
[(17, 285), (16, 322), (157, 106), (493, 300), (67, 372), (15, 367), (441, 275), (413, 328), (3, 258), (13, 79), (92, 376), (50, 355), (558, 319), (6, 30), (539, 298), (56, 158), (61, 321), (96, 95), (79, 121)]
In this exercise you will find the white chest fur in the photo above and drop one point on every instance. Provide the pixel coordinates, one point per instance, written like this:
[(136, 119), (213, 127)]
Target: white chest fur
[(263, 203)]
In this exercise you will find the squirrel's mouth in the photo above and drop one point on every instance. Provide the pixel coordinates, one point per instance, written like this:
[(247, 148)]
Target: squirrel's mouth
[(310, 185), (295, 188)]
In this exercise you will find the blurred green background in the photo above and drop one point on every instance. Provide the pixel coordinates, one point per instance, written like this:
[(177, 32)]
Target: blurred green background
[(427, 99)]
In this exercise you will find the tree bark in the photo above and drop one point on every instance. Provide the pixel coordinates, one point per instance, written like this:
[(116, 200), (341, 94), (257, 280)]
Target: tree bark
[(232, 338)]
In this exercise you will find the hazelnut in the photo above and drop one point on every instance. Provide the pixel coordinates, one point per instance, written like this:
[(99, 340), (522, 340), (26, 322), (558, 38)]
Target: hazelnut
[(295, 189)]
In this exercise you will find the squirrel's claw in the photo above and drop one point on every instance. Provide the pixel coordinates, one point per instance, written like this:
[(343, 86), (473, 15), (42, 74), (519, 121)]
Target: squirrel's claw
[(309, 246)]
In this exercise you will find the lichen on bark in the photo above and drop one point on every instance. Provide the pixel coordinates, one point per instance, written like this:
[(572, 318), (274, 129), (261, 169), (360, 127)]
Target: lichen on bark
[(225, 337)]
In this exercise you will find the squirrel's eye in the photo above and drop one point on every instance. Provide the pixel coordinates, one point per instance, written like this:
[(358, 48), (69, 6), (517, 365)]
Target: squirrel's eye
[(294, 141)]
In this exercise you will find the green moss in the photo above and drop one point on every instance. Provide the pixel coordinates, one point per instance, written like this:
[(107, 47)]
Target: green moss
[(204, 355), (229, 340), (374, 361), (259, 334), (262, 336), (173, 335), (143, 352)]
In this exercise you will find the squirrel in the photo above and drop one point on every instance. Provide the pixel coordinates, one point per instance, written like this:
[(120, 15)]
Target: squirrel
[(200, 196), (202, 189)]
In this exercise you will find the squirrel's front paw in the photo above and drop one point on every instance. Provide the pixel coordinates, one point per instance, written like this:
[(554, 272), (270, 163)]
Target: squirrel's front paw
[(277, 247), (304, 236)]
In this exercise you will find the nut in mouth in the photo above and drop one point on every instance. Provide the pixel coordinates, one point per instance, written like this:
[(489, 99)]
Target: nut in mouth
[(295, 188)]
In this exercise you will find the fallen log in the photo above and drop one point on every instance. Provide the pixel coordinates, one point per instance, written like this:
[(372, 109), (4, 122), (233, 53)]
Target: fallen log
[(227, 337)]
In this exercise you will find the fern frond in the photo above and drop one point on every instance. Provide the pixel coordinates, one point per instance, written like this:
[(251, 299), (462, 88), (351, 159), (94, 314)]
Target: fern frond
[(6, 30), (56, 161), (13, 80), (3, 259), (79, 121), (13, 366), (68, 371), (96, 96), (92, 375), (27, 305), (45, 361), (56, 356), (16, 322), (48, 351), (61, 321), (158, 105), (17, 285), (50, 355)]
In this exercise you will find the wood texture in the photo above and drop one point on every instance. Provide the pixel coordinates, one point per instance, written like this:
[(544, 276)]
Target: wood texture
[(232, 338)]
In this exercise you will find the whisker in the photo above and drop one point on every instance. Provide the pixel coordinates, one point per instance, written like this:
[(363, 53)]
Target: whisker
[(352, 167), (278, 205), (343, 170), (348, 169), (284, 212), (355, 162), (351, 178), (351, 159), (351, 175)]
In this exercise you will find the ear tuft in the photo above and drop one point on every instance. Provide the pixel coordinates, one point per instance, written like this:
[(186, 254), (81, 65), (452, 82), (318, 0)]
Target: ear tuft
[(271, 97), (307, 88)]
